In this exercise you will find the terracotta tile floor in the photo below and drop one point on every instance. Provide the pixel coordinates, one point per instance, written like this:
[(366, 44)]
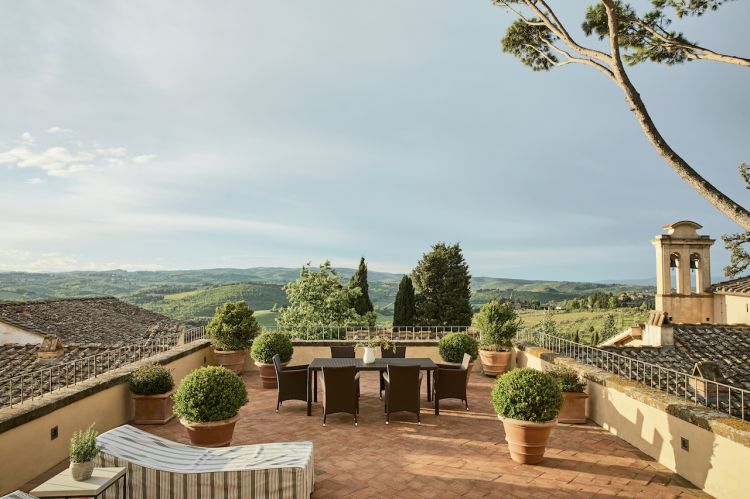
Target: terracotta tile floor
[(456, 454)]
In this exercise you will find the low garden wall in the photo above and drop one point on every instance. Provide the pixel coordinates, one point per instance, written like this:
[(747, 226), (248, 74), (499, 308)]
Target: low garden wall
[(703, 446), (26, 447)]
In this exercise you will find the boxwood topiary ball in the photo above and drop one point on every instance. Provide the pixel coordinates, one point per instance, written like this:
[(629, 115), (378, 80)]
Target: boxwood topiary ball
[(267, 345), (453, 346), (210, 393), (527, 395)]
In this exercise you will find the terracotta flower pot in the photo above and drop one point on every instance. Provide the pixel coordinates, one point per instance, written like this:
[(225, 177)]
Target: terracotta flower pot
[(231, 359), (82, 471), (268, 374), (152, 409), (574, 408), (494, 363), (527, 441), (211, 434)]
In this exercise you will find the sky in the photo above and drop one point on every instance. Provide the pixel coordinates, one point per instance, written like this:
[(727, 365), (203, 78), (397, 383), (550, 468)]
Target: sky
[(150, 135)]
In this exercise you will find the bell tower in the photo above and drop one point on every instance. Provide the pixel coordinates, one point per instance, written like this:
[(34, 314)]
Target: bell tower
[(683, 273)]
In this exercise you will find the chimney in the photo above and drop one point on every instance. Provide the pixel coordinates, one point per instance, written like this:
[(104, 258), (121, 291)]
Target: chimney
[(658, 332), (50, 348)]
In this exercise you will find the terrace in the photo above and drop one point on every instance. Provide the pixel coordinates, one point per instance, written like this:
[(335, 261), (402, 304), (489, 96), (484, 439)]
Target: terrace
[(458, 453)]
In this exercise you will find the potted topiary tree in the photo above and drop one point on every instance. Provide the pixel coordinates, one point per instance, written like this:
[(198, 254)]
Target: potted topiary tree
[(208, 402), (497, 324), (264, 348), (527, 401), (83, 450), (231, 331), (151, 390), (453, 346), (574, 404)]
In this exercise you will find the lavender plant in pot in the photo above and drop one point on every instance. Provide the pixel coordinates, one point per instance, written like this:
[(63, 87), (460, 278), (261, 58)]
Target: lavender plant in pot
[(83, 451), (497, 324), (231, 332)]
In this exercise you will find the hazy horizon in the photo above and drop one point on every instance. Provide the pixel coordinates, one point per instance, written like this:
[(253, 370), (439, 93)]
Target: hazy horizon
[(144, 136)]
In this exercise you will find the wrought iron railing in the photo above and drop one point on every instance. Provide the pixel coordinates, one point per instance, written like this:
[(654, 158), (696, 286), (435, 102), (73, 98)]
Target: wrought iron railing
[(731, 400), (412, 333), (28, 386)]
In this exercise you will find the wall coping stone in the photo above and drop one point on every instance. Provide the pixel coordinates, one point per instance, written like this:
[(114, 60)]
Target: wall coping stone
[(11, 417), (716, 422)]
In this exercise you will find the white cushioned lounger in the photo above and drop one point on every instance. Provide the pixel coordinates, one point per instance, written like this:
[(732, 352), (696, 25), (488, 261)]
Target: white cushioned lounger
[(18, 495), (162, 469)]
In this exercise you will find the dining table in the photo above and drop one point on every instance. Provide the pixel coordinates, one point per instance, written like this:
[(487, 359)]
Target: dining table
[(379, 364)]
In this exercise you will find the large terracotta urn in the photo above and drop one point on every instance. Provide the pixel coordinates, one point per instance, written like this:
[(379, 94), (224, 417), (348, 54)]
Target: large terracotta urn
[(231, 359), (268, 374), (574, 408), (494, 363), (211, 434), (152, 409), (527, 441)]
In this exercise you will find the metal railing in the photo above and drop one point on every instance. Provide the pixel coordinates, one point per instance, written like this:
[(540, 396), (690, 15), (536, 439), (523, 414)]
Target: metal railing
[(411, 333), (727, 399), (20, 388)]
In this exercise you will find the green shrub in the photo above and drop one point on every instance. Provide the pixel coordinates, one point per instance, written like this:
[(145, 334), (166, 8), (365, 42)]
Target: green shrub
[(267, 345), (83, 445), (233, 326), (453, 346), (568, 379), (151, 380), (497, 324), (528, 395), (210, 393)]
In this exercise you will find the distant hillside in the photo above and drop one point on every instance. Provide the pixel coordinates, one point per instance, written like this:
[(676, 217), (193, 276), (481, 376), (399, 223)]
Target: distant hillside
[(192, 295)]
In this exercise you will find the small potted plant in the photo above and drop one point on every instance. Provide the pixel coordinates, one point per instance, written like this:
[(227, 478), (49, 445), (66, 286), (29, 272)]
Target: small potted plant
[(374, 343), (151, 390), (574, 404), (83, 450), (264, 348), (527, 401), (208, 402), (231, 331), (497, 324), (453, 346)]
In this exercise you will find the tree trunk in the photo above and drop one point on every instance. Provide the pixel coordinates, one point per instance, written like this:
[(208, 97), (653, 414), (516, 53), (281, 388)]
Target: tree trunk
[(713, 195)]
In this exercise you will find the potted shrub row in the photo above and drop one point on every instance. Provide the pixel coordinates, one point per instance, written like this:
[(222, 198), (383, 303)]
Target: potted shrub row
[(231, 332), (574, 398), (264, 348), (151, 389), (527, 401), (207, 402), (497, 324), (453, 346)]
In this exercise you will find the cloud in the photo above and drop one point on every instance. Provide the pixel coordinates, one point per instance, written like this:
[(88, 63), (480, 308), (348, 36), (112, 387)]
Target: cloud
[(35, 181), (60, 161), (56, 129), (27, 138), (26, 261)]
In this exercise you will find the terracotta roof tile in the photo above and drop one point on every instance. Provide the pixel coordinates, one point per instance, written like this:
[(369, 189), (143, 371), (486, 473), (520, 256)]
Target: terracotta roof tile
[(740, 286)]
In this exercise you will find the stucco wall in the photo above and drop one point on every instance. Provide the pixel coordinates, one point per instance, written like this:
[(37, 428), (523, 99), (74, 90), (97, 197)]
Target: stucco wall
[(26, 450), (12, 334), (732, 309), (646, 419), (687, 309)]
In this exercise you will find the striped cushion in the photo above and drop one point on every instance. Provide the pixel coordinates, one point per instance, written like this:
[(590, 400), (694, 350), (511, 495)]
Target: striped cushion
[(160, 468), (18, 495)]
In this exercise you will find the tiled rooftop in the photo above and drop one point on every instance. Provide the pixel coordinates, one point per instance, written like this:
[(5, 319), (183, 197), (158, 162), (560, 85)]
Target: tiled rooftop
[(727, 346), (456, 454), (104, 320), (740, 286)]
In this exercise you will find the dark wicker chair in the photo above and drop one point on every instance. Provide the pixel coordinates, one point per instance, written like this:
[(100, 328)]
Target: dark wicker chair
[(291, 382), (340, 391), (403, 385), (450, 383), (389, 353), (342, 352)]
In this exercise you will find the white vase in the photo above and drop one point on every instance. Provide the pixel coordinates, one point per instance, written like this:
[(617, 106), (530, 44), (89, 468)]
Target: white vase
[(369, 356)]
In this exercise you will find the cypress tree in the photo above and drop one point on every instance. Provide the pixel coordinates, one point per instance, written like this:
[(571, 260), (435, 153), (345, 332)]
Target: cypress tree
[(403, 308), (441, 281), (361, 303), (595, 339)]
